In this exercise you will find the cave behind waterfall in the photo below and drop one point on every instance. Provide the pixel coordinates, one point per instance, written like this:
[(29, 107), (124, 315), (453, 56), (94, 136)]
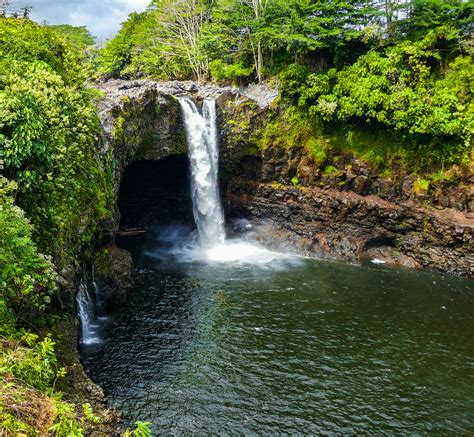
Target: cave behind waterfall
[(156, 193)]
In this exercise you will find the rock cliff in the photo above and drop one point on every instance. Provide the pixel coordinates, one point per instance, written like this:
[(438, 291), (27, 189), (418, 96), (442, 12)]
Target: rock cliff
[(349, 211)]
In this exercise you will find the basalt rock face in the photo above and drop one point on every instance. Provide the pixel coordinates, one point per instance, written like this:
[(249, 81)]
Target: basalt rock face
[(348, 212), (350, 226), (78, 388), (242, 155), (342, 207), (141, 121), (350, 174), (113, 273)]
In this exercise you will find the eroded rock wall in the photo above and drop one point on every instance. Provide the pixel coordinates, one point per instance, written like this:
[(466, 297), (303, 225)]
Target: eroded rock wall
[(349, 212), (350, 226)]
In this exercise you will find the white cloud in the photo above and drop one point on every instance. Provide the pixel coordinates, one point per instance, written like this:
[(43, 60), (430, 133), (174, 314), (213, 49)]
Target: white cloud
[(102, 17)]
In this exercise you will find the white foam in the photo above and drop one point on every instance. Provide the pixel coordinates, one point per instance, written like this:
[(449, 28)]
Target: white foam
[(235, 251)]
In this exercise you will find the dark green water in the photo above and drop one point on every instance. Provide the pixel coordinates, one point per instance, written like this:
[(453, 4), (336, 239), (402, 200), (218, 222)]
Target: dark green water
[(306, 346)]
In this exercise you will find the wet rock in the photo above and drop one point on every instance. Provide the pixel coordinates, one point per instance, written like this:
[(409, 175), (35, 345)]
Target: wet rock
[(241, 226), (359, 184), (350, 226), (67, 288), (113, 270), (78, 387), (390, 256)]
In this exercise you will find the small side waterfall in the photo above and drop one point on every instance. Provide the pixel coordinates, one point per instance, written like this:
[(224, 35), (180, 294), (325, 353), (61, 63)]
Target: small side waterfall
[(89, 308), (87, 314), (201, 132)]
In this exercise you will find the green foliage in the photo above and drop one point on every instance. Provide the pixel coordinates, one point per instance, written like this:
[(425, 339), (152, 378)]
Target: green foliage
[(34, 363), (78, 35), (407, 89), (89, 413), (291, 79), (421, 185), (142, 430), (425, 15), (220, 71), (58, 189), (25, 274), (330, 170), (28, 402), (7, 319), (49, 133), (230, 39), (25, 42), (290, 128), (66, 421), (117, 53)]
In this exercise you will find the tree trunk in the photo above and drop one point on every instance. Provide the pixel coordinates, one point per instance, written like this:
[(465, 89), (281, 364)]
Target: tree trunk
[(259, 62)]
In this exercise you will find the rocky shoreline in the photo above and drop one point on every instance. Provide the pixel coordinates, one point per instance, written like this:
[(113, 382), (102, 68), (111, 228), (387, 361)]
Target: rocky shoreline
[(348, 226)]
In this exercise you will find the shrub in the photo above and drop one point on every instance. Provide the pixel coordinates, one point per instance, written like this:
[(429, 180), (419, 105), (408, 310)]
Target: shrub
[(221, 71), (25, 274)]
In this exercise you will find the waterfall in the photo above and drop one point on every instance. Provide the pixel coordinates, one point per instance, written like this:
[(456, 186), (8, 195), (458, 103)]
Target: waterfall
[(87, 312), (203, 151)]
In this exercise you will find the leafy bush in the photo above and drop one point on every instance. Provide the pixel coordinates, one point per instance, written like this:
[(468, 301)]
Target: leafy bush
[(58, 190), (220, 71), (26, 41), (49, 134), (406, 89), (142, 429), (291, 79), (78, 35), (117, 54), (28, 402), (25, 274)]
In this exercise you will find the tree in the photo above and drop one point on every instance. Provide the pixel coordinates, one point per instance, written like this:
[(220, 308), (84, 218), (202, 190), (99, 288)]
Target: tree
[(77, 34), (117, 53), (179, 24), (259, 8), (425, 15)]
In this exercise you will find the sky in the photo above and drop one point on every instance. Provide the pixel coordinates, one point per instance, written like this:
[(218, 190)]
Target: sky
[(101, 17)]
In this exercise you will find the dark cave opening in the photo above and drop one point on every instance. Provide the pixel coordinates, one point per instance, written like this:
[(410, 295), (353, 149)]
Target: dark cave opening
[(156, 193)]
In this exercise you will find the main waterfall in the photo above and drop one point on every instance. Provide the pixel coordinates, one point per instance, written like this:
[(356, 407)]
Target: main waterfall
[(203, 145), (203, 152)]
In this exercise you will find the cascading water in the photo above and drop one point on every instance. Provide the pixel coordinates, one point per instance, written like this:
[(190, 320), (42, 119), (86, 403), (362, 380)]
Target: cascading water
[(89, 309), (201, 132), (203, 152), (87, 314)]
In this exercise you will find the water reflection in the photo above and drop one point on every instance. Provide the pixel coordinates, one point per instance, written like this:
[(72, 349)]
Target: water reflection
[(306, 347)]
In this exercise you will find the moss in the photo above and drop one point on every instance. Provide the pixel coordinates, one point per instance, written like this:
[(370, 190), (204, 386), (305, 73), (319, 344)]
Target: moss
[(330, 170), (421, 185), (291, 128), (381, 148), (102, 260), (242, 126), (251, 149), (387, 173), (278, 186), (428, 228), (117, 132)]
